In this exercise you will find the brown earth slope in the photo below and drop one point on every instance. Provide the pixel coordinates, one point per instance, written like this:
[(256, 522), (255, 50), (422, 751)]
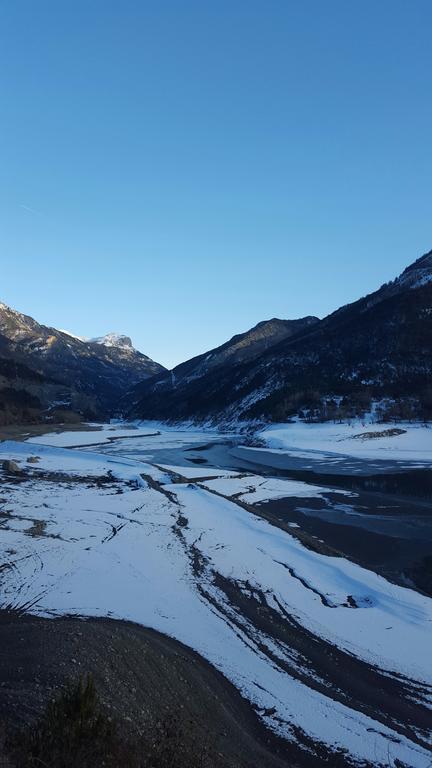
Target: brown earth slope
[(141, 676)]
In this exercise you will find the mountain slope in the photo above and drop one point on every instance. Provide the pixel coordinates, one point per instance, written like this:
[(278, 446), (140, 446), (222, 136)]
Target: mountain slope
[(243, 346), (23, 389), (85, 375), (379, 346), (239, 349)]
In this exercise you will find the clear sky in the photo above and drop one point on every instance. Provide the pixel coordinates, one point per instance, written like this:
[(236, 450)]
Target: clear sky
[(178, 170)]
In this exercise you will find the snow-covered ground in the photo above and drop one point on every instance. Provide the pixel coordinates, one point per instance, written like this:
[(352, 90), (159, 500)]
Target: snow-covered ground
[(414, 445), (127, 436), (84, 532), (98, 435), (254, 488)]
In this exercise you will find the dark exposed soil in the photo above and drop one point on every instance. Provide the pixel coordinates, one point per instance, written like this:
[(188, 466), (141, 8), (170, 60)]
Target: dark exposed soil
[(24, 431), (141, 676)]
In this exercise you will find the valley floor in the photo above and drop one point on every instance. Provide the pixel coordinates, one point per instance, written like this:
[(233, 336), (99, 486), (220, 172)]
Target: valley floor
[(145, 525)]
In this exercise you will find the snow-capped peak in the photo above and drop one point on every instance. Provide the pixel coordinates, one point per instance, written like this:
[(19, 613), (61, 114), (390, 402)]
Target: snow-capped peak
[(114, 340)]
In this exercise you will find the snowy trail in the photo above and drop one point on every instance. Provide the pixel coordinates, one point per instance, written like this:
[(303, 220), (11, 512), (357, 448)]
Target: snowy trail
[(323, 648)]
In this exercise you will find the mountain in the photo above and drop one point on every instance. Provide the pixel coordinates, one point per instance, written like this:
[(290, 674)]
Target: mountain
[(242, 347), (56, 368), (377, 347), (114, 340)]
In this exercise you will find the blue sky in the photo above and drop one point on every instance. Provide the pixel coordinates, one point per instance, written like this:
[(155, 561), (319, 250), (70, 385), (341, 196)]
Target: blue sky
[(179, 170)]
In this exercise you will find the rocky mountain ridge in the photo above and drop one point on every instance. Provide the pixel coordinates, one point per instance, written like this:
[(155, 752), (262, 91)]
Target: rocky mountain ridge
[(113, 339)]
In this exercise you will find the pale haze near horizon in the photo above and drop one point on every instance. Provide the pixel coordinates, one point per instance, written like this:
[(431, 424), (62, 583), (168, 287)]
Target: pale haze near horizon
[(178, 172)]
